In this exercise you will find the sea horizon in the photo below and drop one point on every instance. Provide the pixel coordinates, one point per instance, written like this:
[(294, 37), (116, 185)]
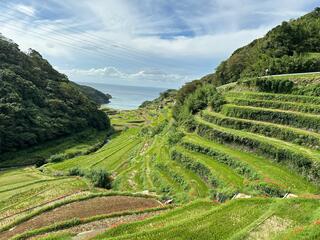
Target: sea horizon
[(126, 97)]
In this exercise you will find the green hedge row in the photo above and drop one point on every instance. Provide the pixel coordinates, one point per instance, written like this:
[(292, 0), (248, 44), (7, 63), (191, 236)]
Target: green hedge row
[(298, 107), (270, 189), (276, 97), (175, 176), (270, 84), (162, 187), (267, 129), (239, 167), (310, 122), (301, 163), (196, 167)]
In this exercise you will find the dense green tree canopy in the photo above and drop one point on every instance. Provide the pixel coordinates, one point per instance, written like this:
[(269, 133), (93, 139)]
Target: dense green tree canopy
[(37, 103), (291, 47)]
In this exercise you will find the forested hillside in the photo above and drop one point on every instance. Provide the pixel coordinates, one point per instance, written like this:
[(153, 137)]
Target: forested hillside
[(288, 48), (95, 95), (37, 103)]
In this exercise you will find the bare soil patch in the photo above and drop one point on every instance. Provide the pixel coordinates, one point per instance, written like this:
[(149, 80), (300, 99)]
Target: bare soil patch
[(90, 230), (83, 209)]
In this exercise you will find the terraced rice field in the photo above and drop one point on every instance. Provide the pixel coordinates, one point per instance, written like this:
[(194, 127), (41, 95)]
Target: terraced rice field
[(73, 145), (115, 153), (89, 208), (237, 219), (260, 146)]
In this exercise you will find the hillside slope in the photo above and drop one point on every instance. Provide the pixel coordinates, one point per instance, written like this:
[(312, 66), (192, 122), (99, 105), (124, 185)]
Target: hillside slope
[(94, 95), (291, 47), (37, 103)]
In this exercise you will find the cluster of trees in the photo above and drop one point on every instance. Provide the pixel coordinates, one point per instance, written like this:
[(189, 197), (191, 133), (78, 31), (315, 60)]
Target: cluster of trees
[(165, 97), (98, 177), (287, 48), (37, 103), (95, 95), (193, 97)]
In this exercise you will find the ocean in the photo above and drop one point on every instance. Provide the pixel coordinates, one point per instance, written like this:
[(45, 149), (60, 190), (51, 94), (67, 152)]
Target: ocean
[(127, 97)]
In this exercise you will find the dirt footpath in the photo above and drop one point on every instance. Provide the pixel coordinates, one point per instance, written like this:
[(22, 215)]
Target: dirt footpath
[(83, 209)]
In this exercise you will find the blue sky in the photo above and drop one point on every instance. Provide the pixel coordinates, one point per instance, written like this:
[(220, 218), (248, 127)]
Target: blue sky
[(160, 43)]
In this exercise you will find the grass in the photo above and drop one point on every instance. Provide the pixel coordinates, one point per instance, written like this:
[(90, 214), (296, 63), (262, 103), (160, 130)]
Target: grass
[(218, 223), (109, 157), (196, 208), (289, 106), (269, 170), (275, 97), (140, 162), (235, 219), (77, 143), (76, 221), (308, 153), (286, 133), (219, 170), (63, 202), (26, 188), (290, 118)]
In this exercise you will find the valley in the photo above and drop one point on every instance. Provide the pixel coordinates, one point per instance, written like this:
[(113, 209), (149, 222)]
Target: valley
[(234, 153)]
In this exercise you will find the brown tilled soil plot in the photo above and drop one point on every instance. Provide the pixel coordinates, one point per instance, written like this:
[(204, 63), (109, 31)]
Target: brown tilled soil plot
[(83, 209)]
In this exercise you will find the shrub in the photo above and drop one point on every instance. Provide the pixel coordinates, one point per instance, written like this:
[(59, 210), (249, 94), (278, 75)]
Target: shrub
[(175, 136), (76, 171), (201, 97), (100, 178), (63, 156), (39, 161), (273, 85), (223, 194), (270, 189)]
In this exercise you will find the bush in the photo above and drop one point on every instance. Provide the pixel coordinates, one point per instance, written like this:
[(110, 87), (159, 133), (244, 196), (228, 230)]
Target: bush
[(76, 172), (223, 194), (271, 85), (39, 161), (272, 190), (175, 136), (100, 178), (63, 156), (201, 97)]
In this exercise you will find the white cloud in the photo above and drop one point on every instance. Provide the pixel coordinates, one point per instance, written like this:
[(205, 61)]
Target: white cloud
[(143, 34), (25, 9), (108, 74)]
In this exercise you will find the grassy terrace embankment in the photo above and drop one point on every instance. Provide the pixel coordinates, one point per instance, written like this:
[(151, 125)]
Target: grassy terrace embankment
[(237, 219)]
